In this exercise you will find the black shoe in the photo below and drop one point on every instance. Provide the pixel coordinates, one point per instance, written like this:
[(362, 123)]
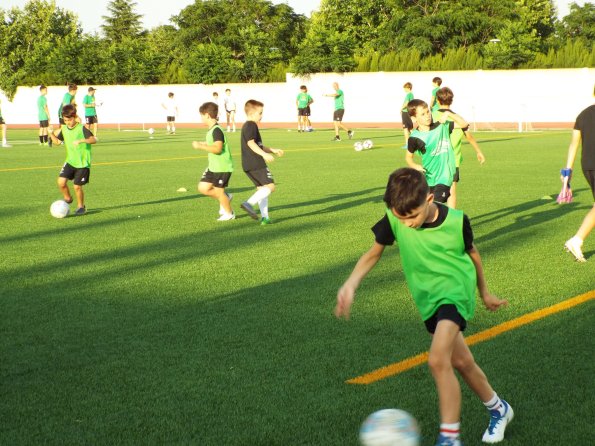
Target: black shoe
[(336, 138), (81, 211), (350, 133)]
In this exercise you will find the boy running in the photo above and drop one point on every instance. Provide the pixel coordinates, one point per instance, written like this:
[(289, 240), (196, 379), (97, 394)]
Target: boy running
[(442, 268), (78, 140), (432, 141), (216, 177), (43, 115), (444, 97), (302, 103), (254, 158)]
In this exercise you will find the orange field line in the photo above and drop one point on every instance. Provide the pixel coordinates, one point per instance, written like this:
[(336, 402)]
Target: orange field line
[(414, 361)]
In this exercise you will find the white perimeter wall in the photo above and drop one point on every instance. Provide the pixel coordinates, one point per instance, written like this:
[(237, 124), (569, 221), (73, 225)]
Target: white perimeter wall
[(538, 96)]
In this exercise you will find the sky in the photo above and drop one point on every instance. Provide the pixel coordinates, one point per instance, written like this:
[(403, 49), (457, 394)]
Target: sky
[(158, 12)]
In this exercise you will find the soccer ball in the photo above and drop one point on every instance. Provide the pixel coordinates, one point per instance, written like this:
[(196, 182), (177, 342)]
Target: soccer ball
[(358, 146), (59, 209), (368, 144), (390, 427), (151, 131)]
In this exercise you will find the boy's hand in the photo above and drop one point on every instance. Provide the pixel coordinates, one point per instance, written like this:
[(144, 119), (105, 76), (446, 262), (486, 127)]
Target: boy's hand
[(197, 145), (278, 152), (345, 298), (268, 157), (481, 158), (492, 303)]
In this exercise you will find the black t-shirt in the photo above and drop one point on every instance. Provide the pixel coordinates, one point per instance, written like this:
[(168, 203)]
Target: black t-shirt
[(218, 135), (251, 160), (585, 122), (86, 133), (385, 236), (414, 144)]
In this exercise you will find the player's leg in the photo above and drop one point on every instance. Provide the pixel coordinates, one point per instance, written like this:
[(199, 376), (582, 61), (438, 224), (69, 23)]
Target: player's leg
[(80, 198), (228, 118), (575, 244), (451, 201), (4, 143), (233, 120), (265, 186), (63, 187)]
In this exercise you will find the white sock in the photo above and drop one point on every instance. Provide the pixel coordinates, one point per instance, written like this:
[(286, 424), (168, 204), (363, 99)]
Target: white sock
[(495, 404), (261, 193), (264, 207), (450, 430)]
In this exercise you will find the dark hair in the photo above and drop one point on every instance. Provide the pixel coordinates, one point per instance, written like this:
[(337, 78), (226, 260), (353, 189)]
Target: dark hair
[(69, 111), (408, 85), (251, 105), (413, 104), (437, 81), (445, 96), (406, 190), (209, 108), (170, 95), (215, 94), (303, 87), (72, 87), (227, 89), (42, 87)]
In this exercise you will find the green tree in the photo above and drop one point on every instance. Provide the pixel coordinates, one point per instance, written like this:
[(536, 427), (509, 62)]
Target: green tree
[(579, 23), (516, 46), (123, 22), (324, 51)]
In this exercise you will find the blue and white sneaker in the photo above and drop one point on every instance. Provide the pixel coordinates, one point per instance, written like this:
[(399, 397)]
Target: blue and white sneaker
[(447, 441), (495, 431)]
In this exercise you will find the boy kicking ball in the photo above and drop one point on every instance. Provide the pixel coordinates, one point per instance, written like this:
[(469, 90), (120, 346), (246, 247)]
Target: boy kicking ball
[(78, 140), (216, 177), (442, 268), (255, 155)]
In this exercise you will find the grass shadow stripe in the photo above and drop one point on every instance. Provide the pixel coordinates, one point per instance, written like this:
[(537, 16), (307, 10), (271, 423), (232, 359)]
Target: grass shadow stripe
[(414, 361)]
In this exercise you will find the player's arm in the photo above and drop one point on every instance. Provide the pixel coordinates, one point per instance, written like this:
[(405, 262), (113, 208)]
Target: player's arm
[(490, 301), (573, 148), (277, 152), (411, 163), (364, 265), (256, 149), (216, 147), (331, 95), (473, 142), (460, 123), (88, 138), (55, 136)]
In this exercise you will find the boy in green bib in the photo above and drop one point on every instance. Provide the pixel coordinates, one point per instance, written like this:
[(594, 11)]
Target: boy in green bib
[(77, 140), (442, 268), (216, 177)]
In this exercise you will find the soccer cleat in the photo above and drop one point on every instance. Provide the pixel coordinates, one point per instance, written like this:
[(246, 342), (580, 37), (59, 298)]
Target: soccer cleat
[(230, 197), (265, 221), (574, 247), (249, 210), (350, 133), (81, 211), (227, 217), (336, 138), (447, 441), (495, 431)]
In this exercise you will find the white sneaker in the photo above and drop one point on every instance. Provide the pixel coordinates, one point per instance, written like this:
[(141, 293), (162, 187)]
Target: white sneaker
[(495, 431), (574, 246), (227, 217), (6, 145), (230, 197)]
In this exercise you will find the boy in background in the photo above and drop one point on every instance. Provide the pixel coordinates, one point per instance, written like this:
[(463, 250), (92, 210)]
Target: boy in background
[(68, 99), (171, 109), (302, 103), (3, 129), (405, 118), (43, 115), (339, 112), (90, 110), (442, 268), (255, 155), (230, 110), (215, 100), (444, 97), (436, 83), (77, 167), (432, 141), (216, 177)]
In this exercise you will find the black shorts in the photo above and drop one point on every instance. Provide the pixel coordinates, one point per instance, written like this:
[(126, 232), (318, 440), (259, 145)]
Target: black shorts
[(171, 119), (441, 192), (260, 177), (229, 112), (338, 115), (304, 111), (406, 120), (44, 124), (445, 312), (590, 176), (217, 179), (80, 175), (91, 119), (457, 176)]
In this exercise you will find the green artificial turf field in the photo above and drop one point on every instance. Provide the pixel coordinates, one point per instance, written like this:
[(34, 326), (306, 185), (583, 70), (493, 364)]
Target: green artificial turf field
[(146, 321)]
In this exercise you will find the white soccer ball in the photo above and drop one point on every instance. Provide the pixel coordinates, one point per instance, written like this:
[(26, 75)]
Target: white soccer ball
[(390, 427), (368, 144), (59, 209), (151, 131), (358, 146)]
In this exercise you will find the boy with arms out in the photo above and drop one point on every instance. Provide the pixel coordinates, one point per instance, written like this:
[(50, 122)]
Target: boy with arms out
[(254, 158), (444, 97), (216, 177), (78, 140), (302, 103), (584, 132), (442, 268), (339, 112), (432, 141), (90, 110), (43, 114), (405, 118)]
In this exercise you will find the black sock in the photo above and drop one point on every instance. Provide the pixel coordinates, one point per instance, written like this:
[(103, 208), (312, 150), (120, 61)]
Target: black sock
[(40, 139)]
